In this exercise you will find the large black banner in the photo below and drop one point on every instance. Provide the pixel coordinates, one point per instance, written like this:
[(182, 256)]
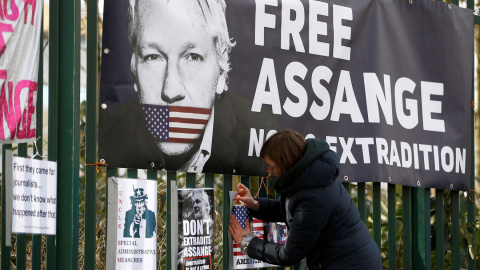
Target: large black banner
[(199, 85)]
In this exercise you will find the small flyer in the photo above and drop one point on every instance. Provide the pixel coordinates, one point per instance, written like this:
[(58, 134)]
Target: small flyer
[(196, 229), (241, 260), (137, 223), (34, 196)]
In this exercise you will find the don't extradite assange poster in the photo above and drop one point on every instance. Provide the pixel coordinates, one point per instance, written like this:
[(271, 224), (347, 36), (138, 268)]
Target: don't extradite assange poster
[(199, 86)]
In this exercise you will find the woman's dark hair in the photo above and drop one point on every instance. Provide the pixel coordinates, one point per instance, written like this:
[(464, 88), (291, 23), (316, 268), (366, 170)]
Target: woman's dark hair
[(285, 148)]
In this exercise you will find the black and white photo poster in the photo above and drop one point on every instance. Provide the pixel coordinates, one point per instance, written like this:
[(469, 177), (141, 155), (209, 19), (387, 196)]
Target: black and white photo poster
[(200, 86), (136, 227), (196, 212)]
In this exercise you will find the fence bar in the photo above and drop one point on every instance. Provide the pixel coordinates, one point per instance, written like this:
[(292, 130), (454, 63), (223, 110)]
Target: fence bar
[(53, 54), (418, 221), (470, 5), (407, 227), (21, 242), (471, 220), (68, 134), (227, 186), (6, 250), (170, 176), (440, 229), (347, 186), (152, 175), (471, 205), (377, 224), (262, 193), (428, 240), (392, 221), (91, 136), (190, 180), (245, 180), (132, 173), (455, 203), (37, 239), (361, 201), (209, 180)]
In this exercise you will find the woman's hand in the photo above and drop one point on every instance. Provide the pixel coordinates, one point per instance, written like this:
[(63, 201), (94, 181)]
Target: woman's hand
[(245, 198), (237, 231)]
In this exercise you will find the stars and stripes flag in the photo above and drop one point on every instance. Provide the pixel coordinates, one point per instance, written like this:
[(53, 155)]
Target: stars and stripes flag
[(241, 213), (241, 260), (257, 229), (176, 123)]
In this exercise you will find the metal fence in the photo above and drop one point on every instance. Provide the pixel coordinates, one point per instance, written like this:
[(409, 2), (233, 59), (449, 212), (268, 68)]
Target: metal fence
[(420, 226)]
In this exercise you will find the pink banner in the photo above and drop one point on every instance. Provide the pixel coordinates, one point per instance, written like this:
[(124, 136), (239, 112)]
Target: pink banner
[(20, 25)]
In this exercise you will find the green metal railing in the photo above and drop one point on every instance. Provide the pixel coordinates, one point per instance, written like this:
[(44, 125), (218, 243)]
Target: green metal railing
[(411, 219)]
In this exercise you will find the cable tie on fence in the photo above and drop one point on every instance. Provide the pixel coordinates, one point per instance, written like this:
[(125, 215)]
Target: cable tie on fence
[(96, 164), (262, 181), (36, 149)]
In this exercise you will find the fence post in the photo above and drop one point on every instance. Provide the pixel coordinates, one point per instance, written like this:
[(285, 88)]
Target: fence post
[(68, 133), (440, 229), (91, 136), (53, 45), (377, 223), (37, 239), (471, 205), (407, 227), (361, 201), (171, 264), (227, 186), (6, 250), (455, 216), (392, 228), (418, 224), (21, 241)]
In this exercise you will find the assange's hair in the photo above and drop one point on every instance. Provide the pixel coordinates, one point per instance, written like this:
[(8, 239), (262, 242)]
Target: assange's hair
[(285, 148), (205, 199), (209, 14)]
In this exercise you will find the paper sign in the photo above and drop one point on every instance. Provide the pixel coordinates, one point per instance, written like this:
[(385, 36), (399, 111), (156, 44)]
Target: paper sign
[(34, 196), (196, 217), (136, 226)]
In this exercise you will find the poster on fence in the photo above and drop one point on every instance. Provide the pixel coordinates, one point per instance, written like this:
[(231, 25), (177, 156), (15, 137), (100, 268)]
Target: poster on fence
[(136, 227), (196, 228), (34, 196), (277, 232), (240, 259), (20, 27), (199, 87)]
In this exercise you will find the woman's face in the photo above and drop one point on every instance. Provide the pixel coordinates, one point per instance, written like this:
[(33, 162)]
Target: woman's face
[(272, 167)]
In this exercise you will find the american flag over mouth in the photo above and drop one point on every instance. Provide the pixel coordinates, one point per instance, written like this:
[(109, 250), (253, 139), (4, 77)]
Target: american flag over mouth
[(176, 123)]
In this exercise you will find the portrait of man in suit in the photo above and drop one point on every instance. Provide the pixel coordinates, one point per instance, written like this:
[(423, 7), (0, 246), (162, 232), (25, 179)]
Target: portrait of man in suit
[(140, 222), (196, 225), (185, 118)]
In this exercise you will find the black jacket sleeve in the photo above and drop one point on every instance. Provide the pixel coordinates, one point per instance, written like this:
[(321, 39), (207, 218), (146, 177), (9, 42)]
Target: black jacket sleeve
[(310, 212)]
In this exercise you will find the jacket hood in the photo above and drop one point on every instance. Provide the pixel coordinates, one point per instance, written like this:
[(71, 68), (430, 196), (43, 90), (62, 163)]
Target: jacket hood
[(318, 167)]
